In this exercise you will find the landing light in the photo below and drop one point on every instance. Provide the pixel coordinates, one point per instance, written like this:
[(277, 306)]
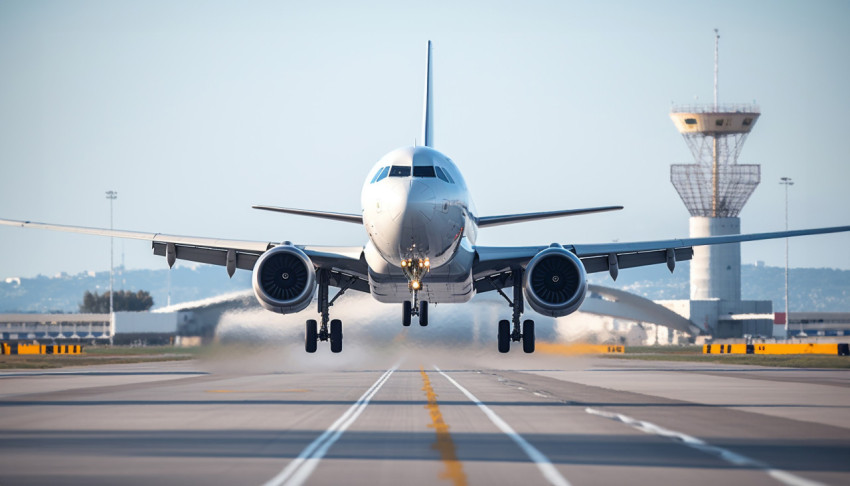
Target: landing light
[(415, 285)]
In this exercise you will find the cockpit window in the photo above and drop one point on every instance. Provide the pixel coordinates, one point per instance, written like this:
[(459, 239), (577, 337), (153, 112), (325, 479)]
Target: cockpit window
[(400, 171), (440, 174), (423, 171), (383, 173)]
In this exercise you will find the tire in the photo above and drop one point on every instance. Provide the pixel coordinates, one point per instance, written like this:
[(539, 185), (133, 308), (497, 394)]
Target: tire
[(336, 336), (311, 336), (405, 313), (528, 336), (423, 314), (504, 336)]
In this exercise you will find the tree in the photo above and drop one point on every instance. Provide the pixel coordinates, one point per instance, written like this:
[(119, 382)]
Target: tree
[(123, 300)]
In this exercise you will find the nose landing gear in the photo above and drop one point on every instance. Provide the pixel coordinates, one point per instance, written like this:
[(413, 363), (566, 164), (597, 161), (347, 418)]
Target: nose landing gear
[(414, 270)]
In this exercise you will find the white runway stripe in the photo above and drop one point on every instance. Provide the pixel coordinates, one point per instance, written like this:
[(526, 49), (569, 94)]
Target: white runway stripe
[(725, 454), (542, 462), (297, 471)]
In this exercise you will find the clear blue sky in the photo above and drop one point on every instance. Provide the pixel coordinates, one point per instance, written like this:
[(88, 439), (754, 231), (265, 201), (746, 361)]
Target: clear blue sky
[(194, 111)]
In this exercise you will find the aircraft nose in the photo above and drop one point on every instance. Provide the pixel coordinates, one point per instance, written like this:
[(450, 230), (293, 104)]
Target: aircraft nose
[(422, 199)]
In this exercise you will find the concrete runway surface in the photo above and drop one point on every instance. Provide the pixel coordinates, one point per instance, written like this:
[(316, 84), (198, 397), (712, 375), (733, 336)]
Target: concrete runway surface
[(394, 415)]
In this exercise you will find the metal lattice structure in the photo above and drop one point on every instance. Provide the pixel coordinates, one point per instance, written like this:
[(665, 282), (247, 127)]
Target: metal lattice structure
[(716, 185), (693, 182)]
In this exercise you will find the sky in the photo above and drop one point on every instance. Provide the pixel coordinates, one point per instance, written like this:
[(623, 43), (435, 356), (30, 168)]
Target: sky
[(195, 110)]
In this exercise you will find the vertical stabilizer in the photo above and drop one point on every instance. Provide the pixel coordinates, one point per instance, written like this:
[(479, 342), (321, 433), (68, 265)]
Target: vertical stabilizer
[(428, 109)]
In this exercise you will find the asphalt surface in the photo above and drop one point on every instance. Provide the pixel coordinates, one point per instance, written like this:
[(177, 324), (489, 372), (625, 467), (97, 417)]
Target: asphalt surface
[(423, 416)]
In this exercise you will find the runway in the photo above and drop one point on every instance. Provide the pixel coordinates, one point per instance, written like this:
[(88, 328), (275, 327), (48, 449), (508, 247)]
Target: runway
[(423, 416)]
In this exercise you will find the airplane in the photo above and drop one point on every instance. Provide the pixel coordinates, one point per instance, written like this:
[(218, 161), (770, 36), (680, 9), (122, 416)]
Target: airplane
[(422, 228)]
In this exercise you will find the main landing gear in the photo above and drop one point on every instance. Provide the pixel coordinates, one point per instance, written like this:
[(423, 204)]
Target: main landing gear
[(333, 333), (524, 332), (414, 270)]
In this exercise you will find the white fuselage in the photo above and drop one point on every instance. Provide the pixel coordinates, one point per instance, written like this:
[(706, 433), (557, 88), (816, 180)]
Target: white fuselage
[(416, 206)]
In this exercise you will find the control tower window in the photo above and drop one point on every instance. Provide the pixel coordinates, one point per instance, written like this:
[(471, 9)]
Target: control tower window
[(747, 121), (400, 171), (690, 121), (423, 171)]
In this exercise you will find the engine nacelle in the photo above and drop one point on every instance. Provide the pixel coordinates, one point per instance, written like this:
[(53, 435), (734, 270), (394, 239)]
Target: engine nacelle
[(284, 280), (555, 282)]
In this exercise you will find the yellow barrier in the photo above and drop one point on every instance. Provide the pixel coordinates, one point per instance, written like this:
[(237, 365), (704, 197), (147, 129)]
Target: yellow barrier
[(727, 349), (840, 349), (31, 348), (578, 349), (808, 348), (26, 348)]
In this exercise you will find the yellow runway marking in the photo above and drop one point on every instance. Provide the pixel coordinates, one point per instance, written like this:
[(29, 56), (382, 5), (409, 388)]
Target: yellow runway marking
[(294, 390), (444, 444)]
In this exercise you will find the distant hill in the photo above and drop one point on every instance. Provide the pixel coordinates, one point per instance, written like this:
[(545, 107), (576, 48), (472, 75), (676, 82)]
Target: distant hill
[(812, 289), (64, 293)]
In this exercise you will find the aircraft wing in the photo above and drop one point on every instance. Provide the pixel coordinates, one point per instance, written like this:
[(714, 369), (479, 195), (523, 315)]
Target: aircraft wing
[(493, 268), (485, 221), (347, 264)]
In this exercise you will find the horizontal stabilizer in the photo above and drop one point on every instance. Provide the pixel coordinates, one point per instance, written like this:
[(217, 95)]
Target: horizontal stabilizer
[(346, 217), (519, 218)]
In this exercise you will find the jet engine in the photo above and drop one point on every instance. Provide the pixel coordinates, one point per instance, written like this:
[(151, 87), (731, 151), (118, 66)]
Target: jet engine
[(555, 282), (284, 280)]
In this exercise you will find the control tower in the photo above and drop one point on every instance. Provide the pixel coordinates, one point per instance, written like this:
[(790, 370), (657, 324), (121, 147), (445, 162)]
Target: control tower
[(715, 188)]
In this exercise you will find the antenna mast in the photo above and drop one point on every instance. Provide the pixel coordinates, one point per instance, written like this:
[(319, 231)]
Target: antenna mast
[(716, 63)]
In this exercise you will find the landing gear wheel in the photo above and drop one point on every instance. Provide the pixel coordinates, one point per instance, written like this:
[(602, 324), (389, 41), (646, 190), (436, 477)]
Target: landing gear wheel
[(423, 314), (311, 336), (405, 313), (528, 336), (336, 336), (504, 336)]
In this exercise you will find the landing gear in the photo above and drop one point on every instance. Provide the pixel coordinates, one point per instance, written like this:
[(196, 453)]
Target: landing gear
[(311, 336), (521, 332), (408, 310), (423, 313), (504, 336), (528, 336), (336, 336), (333, 333), (414, 270), (406, 313)]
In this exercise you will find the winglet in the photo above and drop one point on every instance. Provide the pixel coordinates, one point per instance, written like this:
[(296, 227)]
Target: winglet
[(428, 108)]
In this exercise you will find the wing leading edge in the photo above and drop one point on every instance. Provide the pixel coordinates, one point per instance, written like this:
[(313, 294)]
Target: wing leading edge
[(344, 262), (494, 265), (485, 221)]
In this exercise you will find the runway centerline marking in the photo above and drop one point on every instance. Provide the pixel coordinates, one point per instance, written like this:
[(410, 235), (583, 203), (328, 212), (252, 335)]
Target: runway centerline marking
[(700, 445), (297, 471), (541, 461), (444, 443)]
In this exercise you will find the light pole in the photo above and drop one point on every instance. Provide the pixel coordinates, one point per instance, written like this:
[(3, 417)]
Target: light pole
[(786, 181), (112, 196)]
